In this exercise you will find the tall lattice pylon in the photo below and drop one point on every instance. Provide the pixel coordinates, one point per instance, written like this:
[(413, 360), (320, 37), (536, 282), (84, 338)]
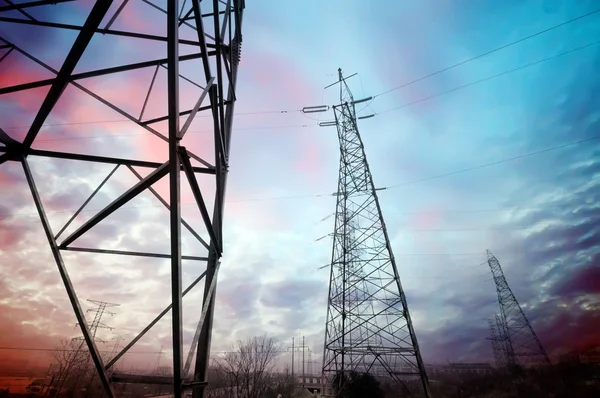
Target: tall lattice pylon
[(368, 327), (519, 342), (498, 339), (176, 63)]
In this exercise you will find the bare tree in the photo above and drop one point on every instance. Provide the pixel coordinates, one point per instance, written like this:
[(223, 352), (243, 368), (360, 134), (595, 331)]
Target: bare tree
[(70, 367), (249, 365)]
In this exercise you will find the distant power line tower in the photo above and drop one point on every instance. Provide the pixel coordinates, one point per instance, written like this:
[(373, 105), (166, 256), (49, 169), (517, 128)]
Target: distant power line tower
[(498, 338), (97, 321), (368, 327), (98, 314), (515, 335)]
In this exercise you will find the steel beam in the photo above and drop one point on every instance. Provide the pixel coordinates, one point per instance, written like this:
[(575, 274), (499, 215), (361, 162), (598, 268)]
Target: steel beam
[(141, 379), (105, 159), (95, 354), (117, 203), (187, 167), (116, 14), (32, 4), (96, 73), (151, 324), (102, 31), (205, 308), (130, 253), (203, 353), (174, 184), (164, 202), (87, 201), (62, 79), (196, 108)]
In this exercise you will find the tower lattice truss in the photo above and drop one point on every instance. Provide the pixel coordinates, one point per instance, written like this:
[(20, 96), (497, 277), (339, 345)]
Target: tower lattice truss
[(514, 341), (181, 60), (368, 328)]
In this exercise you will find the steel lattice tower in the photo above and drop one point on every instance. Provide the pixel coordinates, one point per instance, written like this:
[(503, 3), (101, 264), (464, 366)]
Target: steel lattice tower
[(209, 46), (368, 327), (498, 339), (515, 335)]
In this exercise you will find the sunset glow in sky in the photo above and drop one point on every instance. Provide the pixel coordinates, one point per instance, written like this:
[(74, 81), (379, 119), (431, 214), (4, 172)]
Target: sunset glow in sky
[(492, 154)]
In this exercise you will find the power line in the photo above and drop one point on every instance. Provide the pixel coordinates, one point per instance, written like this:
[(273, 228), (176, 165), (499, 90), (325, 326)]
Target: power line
[(310, 196), (368, 104), (287, 111), (495, 162), (298, 126), (491, 77), (488, 52), (129, 121)]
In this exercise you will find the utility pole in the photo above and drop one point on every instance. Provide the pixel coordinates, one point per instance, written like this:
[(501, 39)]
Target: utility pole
[(516, 337), (295, 348), (368, 327), (303, 373), (292, 347)]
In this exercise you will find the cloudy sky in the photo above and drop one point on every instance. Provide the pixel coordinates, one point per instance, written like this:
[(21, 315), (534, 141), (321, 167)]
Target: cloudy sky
[(499, 153)]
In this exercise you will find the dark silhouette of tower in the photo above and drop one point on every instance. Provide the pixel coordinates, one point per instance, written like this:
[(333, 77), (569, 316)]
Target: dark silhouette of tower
[(368, 327), (200, 36), (516, 338), (498, 338)]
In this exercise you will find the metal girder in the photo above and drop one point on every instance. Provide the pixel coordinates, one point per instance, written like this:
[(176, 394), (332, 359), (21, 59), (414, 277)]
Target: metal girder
[(205, 307), (102, 31), (117, 203), (218, 88), (105, 159), (174, 191), (87, 201), (187, 167), (164, 202), (151, 324), (32, 4), (62, 79), (96, 73), (129, 253), (204, 342), (95, 354), (196, 108)]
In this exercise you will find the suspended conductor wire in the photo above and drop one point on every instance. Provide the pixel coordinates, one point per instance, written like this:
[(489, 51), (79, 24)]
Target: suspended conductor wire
[(371, 101), (554, 148), (287, 111), (480, 166), (493, 76), (488, 52)]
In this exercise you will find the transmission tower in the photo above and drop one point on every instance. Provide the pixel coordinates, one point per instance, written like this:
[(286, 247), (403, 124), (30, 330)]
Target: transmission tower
[(498, 339), (98, 314), (368, 327), (201, 48), (515, 335)]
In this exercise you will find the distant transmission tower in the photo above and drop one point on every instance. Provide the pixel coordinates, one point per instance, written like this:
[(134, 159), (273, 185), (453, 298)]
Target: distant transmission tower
[(498, 339), (368, 327), (518, 341), (98, 314)]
